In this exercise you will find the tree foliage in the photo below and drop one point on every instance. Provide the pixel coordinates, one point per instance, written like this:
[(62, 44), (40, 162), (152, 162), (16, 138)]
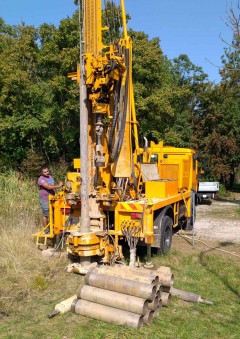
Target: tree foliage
[(175, 101), (38, 106)]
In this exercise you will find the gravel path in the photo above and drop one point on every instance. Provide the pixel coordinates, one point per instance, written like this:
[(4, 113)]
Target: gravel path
[(218, 221)]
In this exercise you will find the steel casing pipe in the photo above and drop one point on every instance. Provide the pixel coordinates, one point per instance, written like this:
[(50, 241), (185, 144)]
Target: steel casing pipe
[(108, 314), (113, 299), (154, 304), (129, 274), (148, 317), (121, 285), (166, 299)]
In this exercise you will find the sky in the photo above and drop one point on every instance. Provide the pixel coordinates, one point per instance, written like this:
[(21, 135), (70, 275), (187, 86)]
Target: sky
[(191, 27)]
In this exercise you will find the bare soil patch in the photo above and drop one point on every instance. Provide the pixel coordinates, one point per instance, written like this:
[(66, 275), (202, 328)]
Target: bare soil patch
[(218, 220)]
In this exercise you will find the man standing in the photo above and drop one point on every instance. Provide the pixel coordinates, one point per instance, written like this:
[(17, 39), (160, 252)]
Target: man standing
[(46, 187)]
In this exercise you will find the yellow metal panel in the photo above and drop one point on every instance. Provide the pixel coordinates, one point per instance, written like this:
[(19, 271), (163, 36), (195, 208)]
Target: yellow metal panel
[(161, 189), (92, 26), (169, 171), (77, 163)]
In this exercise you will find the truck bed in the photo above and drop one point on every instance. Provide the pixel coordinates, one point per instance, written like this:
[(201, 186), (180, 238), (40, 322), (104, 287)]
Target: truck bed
[(212, 187)]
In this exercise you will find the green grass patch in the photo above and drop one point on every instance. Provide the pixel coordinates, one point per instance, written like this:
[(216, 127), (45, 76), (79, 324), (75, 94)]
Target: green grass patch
[(230, 213), (31, 285), (214, 277)]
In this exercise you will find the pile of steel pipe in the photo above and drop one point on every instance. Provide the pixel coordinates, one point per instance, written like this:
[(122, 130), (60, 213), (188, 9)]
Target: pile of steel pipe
[(166, 280), (124, 295)]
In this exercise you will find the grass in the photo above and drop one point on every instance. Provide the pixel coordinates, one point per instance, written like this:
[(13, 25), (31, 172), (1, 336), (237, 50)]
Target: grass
[(31, 285), (232, 213)]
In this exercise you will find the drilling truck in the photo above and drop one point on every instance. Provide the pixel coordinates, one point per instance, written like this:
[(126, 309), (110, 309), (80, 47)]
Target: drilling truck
[(118, 189)]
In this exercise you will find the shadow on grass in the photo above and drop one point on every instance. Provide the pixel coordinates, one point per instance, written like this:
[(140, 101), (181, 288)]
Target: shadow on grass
[(232, 201), (215, 271), (226, 243), (205, 202)]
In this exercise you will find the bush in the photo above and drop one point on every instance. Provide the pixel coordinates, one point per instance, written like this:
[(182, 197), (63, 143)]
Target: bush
[(223, 193)]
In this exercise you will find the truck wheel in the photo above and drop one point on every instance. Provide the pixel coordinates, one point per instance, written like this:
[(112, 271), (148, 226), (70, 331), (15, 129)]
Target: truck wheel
[(166, 234)]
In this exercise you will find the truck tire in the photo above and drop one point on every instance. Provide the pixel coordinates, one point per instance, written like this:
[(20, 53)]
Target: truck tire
[(166, 234)]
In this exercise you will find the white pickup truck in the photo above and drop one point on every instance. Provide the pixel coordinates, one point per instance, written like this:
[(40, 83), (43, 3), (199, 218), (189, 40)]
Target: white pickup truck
[(207, 190)]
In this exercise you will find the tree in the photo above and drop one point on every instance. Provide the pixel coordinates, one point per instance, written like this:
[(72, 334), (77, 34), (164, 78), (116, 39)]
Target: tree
[(38, 103), (231, 60), (158, 100), (189, 80)]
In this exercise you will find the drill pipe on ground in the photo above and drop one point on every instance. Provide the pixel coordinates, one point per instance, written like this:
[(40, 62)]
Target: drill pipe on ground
[(164, 269), (63, 307), (166, 289), (129, 274), (138, 270), (79, 269), (148, 317), (190, 297), (153, 305), (164, 273), (108, 314), (165, 279), (121, 285), (113, 299), (159, 293), (166, 299), (158, 309)]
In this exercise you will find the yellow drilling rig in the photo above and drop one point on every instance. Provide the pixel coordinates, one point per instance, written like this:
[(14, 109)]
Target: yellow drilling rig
[(118, 190)]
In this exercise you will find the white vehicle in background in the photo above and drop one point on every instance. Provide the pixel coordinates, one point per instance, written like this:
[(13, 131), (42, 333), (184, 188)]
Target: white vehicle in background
[(207, 190)]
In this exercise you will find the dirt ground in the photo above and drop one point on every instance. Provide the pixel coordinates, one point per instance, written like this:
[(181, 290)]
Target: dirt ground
[(218, 220)]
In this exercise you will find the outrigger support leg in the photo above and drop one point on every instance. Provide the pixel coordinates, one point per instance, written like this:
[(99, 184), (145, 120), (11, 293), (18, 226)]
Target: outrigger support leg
[(149, 257)]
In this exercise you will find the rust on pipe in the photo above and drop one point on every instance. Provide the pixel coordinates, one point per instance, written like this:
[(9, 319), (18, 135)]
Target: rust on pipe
[(113, 299), (108, 314), (166, 299), (117, 284)]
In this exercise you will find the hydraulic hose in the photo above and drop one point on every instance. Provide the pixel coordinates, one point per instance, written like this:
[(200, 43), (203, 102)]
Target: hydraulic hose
[(116, 112), (123, 114)]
